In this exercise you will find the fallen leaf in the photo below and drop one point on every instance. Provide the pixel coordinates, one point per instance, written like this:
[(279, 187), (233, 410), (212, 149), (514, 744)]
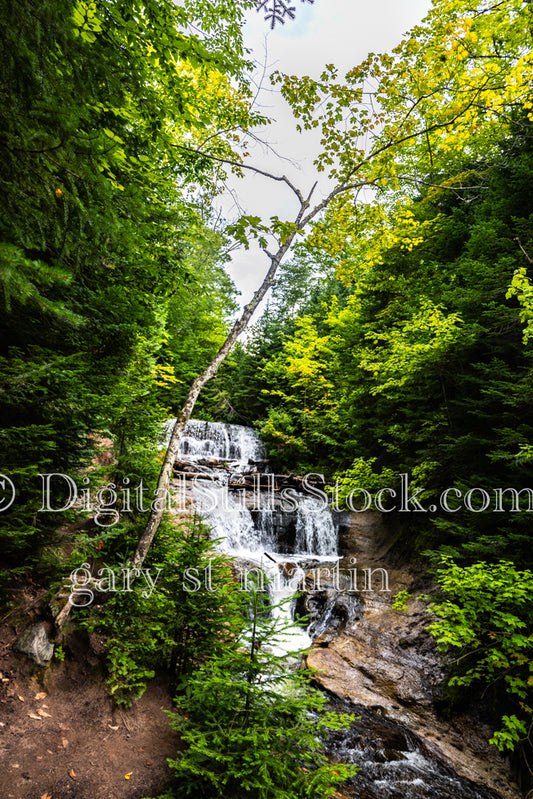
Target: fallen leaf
[(21, 698), (112, 728), (127, 776), (43, 713), (72, 774), (64, 743), (46, 796), (34, 716), (40, 695)]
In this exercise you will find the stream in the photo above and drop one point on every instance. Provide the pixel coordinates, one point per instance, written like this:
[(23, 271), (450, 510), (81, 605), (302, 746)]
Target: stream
[(287, 537)]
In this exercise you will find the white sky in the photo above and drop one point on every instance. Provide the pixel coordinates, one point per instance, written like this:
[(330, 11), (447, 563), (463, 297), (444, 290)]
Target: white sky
[(340, 32)]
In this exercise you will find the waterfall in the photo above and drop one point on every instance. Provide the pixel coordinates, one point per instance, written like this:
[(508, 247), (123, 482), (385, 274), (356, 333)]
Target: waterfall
[(277, 542), (315, 531), (230, 521), (233, 443), (254, 544)]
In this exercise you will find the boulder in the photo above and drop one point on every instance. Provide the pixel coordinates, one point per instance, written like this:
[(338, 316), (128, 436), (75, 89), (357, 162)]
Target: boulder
[(35, 643)]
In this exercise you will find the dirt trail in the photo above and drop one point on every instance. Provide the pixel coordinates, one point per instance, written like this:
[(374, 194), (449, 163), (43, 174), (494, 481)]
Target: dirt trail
[(65, 739)]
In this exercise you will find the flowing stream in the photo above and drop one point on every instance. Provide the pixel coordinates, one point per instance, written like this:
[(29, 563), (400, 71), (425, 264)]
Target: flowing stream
[(284, 543)]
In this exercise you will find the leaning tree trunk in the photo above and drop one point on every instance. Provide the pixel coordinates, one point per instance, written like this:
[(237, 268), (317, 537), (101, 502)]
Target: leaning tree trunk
[(303, 217), (165, 474)]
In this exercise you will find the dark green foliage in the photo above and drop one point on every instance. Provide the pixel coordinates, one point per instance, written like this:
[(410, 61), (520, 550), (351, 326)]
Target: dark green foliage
[(253, 728), (190, 614), (101, 247)]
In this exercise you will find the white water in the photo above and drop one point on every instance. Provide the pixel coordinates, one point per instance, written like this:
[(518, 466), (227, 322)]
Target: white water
[(315, 531), (255, 542), (232, 523), (233, 443)]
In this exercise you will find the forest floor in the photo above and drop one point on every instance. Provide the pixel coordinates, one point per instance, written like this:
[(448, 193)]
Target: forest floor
[(62, 738)]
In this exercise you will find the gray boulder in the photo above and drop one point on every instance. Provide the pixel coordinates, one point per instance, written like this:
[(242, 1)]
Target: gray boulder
[(35, 643)]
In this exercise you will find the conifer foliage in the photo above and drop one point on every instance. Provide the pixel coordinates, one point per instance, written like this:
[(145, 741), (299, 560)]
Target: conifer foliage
[(252, 727)]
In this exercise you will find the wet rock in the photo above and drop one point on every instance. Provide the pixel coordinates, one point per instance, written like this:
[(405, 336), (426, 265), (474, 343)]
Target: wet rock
[(388, 663), (365, 536), (35, 643), (329, 611), (395, 763)]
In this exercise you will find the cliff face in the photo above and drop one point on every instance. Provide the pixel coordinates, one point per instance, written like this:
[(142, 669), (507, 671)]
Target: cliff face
[(387, 663)]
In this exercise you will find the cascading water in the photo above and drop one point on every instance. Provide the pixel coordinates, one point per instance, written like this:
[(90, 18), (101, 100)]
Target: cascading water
[(230, 521), (253, 535), (315, 530), (231, 443)]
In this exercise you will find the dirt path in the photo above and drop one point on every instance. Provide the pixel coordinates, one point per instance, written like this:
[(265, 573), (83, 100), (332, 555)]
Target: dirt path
[(61, 737)]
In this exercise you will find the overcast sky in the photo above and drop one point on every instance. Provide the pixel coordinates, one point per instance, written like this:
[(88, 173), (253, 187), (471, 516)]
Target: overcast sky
[(340, 32)]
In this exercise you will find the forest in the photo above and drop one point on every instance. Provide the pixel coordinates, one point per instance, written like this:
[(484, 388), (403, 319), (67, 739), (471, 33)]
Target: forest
[(393, 356)]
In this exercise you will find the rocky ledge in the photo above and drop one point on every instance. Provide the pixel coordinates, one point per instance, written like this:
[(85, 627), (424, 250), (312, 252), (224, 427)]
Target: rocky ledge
[(386, 662)]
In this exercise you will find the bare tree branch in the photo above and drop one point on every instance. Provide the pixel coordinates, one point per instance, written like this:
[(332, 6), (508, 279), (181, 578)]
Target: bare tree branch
[(230, 162)]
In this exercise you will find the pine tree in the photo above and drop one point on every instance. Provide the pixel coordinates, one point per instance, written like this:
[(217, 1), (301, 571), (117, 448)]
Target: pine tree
[(251, 726)]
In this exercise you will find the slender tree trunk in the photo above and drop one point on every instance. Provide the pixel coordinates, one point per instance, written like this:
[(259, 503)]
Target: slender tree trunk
[(303, 217), (165, 474)]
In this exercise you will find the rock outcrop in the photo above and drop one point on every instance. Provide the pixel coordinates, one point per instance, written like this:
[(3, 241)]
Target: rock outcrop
[(387, 663)]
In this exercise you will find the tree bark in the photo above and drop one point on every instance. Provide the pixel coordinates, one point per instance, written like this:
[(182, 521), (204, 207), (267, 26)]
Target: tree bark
[(302, 219), (165, 474)]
